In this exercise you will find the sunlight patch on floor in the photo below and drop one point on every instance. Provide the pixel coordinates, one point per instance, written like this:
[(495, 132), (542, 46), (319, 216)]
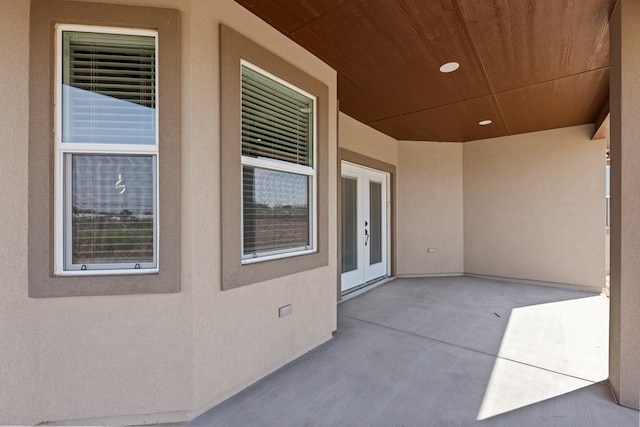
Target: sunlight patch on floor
[(549, 350)]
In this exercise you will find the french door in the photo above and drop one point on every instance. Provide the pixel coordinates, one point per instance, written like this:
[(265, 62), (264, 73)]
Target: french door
[(364, 225)]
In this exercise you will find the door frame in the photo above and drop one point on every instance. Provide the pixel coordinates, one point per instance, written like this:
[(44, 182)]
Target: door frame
[(365, 272), (371, 163)]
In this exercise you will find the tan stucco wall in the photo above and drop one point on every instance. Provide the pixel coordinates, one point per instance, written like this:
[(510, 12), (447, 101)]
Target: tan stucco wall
[(169, 355), (428, 183), (508, 207), (624, 338), (534, 207), (360, 138), (430, 209), (18, 315), (238, 336)]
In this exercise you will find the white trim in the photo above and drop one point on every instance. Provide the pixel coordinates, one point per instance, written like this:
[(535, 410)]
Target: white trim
[(62, 231), (288, 167), (106, 272), (106, 30), (59, 29), (279, 80), (91, 148), (282, 254), (365, 272), (277, 165)]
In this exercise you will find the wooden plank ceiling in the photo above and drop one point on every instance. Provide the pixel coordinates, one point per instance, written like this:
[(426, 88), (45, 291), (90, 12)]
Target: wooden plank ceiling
[(527, 65)]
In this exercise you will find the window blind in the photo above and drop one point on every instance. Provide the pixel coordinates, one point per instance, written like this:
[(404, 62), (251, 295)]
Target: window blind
[(277, 121), (275, 210), (109, 88), (112, 208)]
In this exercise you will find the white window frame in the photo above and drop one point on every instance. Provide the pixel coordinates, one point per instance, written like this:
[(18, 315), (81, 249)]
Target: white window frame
[(283, 166), (62, 233)]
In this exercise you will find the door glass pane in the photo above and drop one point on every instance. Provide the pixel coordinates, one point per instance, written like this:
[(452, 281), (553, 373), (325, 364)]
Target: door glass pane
[(349, 224), (375, 222)]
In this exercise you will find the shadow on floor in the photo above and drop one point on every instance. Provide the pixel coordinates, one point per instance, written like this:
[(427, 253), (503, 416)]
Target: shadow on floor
[(452, 351)]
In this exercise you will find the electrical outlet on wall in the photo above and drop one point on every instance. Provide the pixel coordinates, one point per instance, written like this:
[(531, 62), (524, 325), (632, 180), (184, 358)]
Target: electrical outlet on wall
[(431, 250), (285, 311)]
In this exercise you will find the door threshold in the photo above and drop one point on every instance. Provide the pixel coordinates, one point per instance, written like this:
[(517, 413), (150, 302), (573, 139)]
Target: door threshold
[(357, 290)]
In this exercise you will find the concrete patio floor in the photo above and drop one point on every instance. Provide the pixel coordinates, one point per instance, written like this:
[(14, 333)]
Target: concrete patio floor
[(454, 351)]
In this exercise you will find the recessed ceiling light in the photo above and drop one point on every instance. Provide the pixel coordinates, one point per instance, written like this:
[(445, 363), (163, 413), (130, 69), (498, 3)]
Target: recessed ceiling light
[(485, 122), (449, 67)]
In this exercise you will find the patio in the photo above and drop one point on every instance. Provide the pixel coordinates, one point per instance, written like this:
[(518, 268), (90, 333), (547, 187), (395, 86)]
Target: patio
[(452, 351)]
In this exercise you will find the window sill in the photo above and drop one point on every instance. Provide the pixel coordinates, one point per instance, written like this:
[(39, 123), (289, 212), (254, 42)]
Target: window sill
[(128, 272), (277, 256)]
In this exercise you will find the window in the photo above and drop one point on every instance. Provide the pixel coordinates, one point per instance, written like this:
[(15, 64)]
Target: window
[(274, 165), (106, 151), (278, 167)]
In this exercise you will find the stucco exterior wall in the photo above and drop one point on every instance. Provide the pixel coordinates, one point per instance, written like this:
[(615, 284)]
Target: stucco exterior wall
[(430, 208), (18, 315), (165, 357), (534, 207), (428, 183), (624, 335), (528, 207), (360, 138)]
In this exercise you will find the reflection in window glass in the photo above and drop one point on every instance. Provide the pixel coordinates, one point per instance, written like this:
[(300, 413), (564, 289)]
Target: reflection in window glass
[(112, 209), (106, 200), (275, 210), (277, 121), (278, 166), (375, 222), (349, 224), (108, 92)]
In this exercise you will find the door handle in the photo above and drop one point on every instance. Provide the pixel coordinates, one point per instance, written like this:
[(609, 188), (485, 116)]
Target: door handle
[(366, 233)]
